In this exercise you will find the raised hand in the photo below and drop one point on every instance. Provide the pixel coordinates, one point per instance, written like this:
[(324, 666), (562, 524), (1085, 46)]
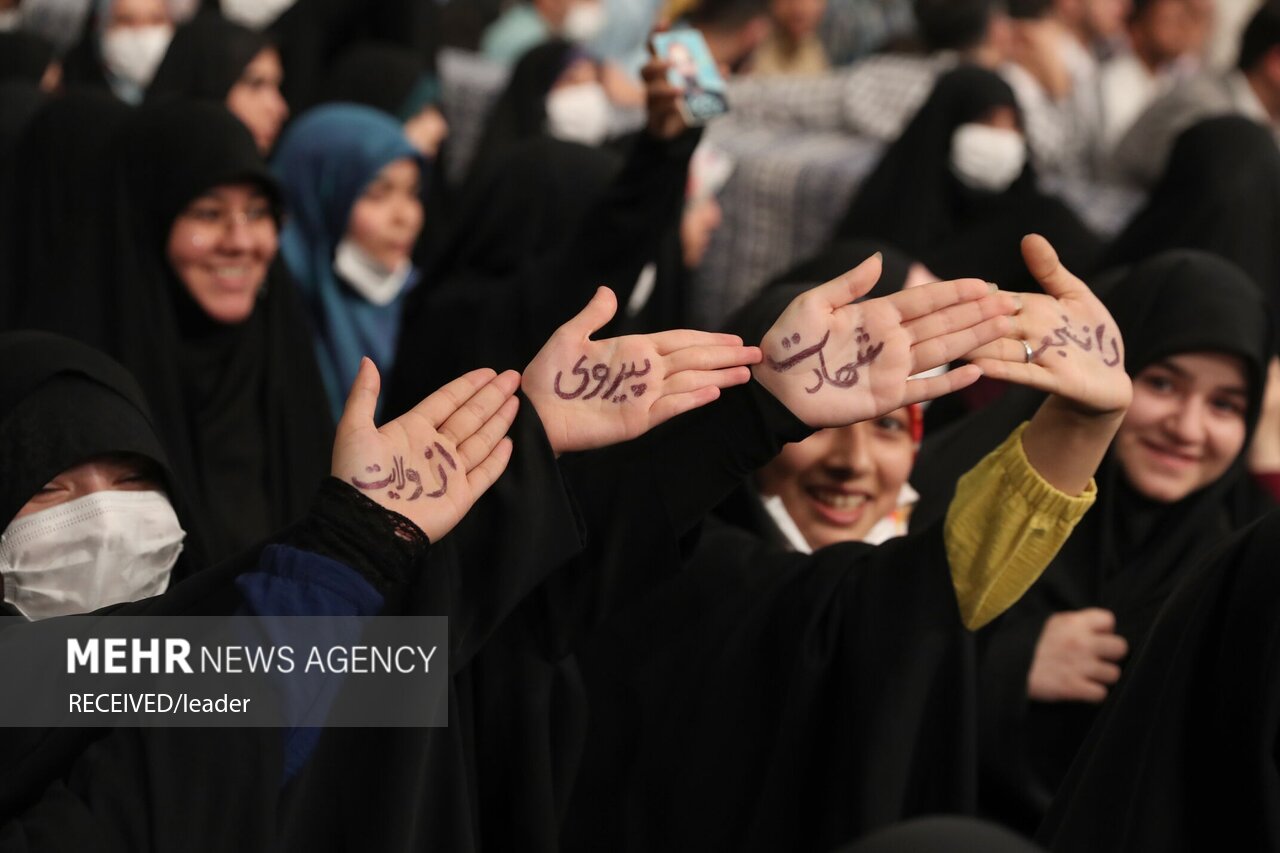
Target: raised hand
[(592, 394), (434, 462), (833, 362), (1064, 342)]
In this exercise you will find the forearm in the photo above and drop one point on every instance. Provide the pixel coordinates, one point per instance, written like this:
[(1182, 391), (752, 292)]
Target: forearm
[(1066, 446)]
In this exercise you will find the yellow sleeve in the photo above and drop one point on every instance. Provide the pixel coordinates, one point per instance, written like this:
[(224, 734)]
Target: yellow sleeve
[(1004, 525)]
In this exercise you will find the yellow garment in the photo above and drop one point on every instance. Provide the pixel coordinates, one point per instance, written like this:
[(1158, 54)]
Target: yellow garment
[(774, 58), (1004, 526)]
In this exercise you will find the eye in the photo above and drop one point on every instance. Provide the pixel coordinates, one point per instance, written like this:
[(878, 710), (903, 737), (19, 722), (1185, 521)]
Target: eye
[(1227, 406), (205, 213), (889, 423), (258, 211), (1157, 382)]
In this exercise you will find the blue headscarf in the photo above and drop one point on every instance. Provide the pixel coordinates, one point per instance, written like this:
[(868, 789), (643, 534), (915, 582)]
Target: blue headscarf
[(324, 162)]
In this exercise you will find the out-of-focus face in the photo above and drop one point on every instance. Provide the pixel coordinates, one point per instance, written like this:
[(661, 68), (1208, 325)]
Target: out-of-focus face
[(116, 472), (1106, 18), (1005, 118), (387, 218), (837, 483), (427, 130), (799, 19), (138, 13), (581, 70), (1166, 30), (1186, 425), (221, 246), (255, 98), (698, 225)]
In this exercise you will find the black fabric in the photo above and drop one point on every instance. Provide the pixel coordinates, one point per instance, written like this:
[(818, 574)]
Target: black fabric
[(1221, 194), (838, 257), (52, 240), (913, 200), (207, 56), (942, 835), (1129, 552), (241, 408), (82, 63), (24, 56), (1184, 756), (520, 112), (534, 242), (65, 404), (378, 75), (313, 34), (19, 101), (182, 789)]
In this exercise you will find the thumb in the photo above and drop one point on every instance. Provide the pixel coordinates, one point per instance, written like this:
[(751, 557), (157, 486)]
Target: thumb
[(1043, 264), (591, 319), (362, 401), (856, 283)]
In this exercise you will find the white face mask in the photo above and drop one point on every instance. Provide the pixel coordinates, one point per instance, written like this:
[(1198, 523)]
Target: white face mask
[(579, 113), (367, 277), (987, 158), (104, 548), (584, 22), (255, 14), (134, 53)]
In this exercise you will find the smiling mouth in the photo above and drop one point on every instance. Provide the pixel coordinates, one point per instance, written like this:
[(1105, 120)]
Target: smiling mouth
[(1168, 456), (838, 507)]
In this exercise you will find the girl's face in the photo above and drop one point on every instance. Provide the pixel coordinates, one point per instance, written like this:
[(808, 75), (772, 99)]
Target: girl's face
[(837, 483), (221, 246), (255, 98), (1186, 425), (387, 219), (581, 70), (116, 472)]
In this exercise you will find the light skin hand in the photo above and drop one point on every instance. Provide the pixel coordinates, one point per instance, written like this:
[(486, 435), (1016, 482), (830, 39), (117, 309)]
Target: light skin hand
[(591, 394), (1077, 657), (434, 462), (1078, 358), (834, 362)]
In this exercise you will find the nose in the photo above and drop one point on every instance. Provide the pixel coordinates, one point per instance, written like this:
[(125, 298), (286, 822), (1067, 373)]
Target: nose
[(236, 235), (850, 454), (1186, 423)]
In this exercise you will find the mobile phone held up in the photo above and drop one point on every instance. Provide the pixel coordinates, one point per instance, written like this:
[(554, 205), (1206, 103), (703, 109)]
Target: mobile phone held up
[(694, 72)]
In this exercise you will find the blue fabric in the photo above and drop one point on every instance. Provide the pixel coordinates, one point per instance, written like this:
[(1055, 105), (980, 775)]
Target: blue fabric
[(292, 582), (324, 162), (519, 30)]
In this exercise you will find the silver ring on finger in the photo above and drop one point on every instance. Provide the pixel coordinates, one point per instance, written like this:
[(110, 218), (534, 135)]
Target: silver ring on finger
[(1030, 352)]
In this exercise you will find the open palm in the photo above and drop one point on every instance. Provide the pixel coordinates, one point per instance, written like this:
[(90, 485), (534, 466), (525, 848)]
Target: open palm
[(1077, 352), (434, 462), (592, 394), (833, 361)]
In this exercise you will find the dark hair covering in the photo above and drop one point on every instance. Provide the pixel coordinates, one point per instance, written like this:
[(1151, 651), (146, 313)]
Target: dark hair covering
[(953, 24), (914, 201), (19, 101), (520, 112), (1261, 34), (24, 56), (56, 200), (207, 56), (1184, 753), (726, 14), (1220, 193), (1129, 551), (64, 404), (241, 408), (384, 76)]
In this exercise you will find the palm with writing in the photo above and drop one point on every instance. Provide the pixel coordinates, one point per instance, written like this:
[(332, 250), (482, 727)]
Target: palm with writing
[(833, 361), (434, 462), (1076, 350), (592, 394)]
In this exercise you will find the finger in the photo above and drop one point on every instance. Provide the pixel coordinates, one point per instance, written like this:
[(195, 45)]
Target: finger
[(1019, 373), (441, 405), (1008, 349), (484, 475), (672, 405), (1098, 620), (939, 351), (1043, 263), (965, 315), (1089, 691), (591, 319), (483, 405), (843, 290), (655, 69), (933, 387), (928, 298), (477, 448), (692, 380), (362, 401), (710, 358), (677, 339), (1104, 673), (1111, 647)]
